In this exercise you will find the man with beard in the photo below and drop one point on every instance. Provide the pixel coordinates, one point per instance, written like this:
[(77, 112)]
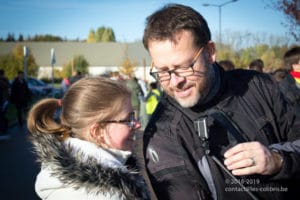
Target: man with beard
[(211, 135)]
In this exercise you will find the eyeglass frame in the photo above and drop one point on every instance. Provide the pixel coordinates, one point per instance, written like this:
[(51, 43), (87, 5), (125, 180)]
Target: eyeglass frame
[(156, 77), (130, 121)]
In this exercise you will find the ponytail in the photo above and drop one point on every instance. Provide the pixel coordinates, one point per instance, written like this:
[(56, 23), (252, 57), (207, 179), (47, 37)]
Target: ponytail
[(41, 119)]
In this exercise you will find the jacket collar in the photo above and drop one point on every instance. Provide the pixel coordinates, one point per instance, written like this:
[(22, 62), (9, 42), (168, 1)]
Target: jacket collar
[(107, 157), (81, 169)]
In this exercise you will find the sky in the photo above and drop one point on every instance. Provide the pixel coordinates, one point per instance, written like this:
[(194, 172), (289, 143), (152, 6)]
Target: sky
[(73, 19)]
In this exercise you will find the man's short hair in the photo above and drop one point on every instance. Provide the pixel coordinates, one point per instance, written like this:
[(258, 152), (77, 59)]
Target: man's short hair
[(292, 56)]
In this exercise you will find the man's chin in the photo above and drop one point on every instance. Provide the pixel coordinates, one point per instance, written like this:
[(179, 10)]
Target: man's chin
[(187, 102)]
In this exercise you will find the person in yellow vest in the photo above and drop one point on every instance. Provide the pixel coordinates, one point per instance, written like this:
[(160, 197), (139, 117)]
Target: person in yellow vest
[(152, 99)]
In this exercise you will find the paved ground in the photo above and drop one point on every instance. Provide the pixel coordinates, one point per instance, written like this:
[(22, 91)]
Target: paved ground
[(18, 168)]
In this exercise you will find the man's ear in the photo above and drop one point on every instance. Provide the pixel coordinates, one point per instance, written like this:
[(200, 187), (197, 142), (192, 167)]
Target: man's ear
[(211, 51)]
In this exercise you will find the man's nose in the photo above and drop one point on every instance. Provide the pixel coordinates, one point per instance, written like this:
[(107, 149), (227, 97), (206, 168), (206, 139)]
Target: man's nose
[(175, 79)]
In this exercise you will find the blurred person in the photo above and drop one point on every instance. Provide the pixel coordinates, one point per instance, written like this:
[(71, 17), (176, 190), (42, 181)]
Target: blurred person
[(292, 63), (64, 85), (227, 65), (136, 92), (152, 99), (75, 77), (211, 134), (4, 99), (20, 96), (279, 74), (115, 75), (143, 115), (85, 154), (257, 65), (287, 77)]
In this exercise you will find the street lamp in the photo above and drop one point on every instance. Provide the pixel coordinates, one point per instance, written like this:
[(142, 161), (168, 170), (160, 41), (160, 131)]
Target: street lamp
[(220, 8), (26, 53), (53, 61)]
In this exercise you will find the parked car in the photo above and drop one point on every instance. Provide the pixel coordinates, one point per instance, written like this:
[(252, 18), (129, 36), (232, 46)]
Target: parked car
[(39, 88)]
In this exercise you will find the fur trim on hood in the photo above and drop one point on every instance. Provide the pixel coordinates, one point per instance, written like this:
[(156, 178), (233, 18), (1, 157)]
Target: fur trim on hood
[(67, 165)]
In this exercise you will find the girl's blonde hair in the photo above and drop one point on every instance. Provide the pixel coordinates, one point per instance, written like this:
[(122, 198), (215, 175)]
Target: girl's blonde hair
[(89, 100)]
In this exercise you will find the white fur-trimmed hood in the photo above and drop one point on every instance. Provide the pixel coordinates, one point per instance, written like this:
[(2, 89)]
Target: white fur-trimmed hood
[(94, 169)]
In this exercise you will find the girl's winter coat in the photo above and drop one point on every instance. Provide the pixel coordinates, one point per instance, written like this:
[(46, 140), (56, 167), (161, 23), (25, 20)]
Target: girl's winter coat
[(77, 169)]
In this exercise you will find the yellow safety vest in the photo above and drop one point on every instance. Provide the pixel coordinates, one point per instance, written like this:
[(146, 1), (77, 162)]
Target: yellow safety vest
[(152, 102)]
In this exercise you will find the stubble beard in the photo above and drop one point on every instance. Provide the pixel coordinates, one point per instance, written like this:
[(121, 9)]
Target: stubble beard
[(194, 98), (189, 102)]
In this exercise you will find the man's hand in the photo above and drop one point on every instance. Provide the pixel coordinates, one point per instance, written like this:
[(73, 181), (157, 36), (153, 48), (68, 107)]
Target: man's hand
[(252, 158)]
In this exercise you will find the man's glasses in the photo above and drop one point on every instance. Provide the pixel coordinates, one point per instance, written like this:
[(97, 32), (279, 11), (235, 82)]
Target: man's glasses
[(130, 121), (183, 71)]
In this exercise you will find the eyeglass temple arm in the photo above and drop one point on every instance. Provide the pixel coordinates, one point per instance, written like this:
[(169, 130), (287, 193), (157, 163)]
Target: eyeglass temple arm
[(151, 66), (198, 53)]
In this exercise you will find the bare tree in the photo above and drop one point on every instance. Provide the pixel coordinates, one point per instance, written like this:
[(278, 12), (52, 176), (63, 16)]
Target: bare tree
[(291, 10)]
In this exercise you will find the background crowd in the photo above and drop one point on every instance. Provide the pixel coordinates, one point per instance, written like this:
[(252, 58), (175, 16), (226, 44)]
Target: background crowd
[(145, 95)]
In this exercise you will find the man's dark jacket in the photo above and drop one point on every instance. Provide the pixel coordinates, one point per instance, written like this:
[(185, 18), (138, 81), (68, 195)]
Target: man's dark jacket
[(172, 150)]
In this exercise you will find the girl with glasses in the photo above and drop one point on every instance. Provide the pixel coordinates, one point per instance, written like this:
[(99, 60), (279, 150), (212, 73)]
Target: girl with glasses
[(83, 154)]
